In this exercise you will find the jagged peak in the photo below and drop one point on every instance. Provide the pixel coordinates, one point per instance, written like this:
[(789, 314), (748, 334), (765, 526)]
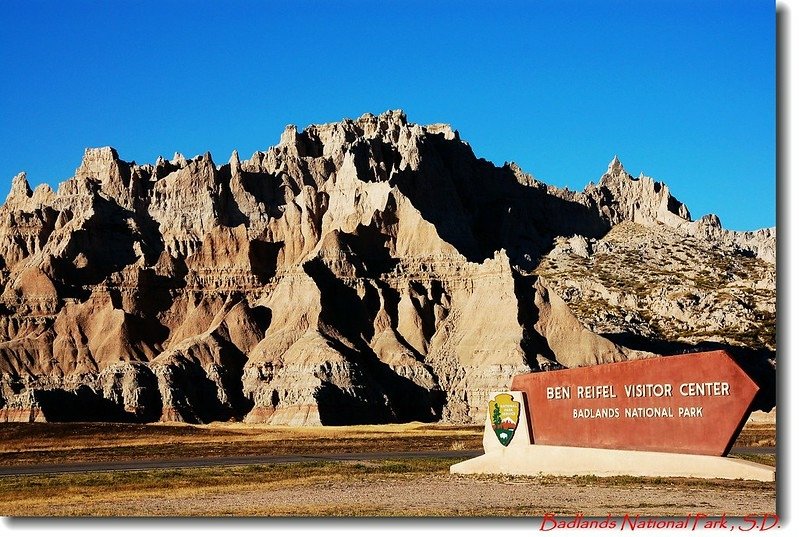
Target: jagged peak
[(389, 116), (521, 175), (616, 167), (398, 115), (96, 161), (19, 187), (289, 136), (43, 194), (179, 160), (96, 153), (43, 188), (381, 122), (710, 220), (445, 129)]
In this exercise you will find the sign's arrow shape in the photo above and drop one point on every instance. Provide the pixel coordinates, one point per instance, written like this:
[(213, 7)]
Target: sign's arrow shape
[(691, 403)]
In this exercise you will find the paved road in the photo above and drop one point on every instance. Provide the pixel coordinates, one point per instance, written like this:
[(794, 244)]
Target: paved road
[(83, 467)]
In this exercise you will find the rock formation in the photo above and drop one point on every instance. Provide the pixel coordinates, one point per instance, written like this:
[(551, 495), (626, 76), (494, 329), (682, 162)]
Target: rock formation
[(365, 271)]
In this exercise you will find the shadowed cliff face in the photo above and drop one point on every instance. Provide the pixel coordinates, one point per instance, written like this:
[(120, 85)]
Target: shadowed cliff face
[(366, 271)]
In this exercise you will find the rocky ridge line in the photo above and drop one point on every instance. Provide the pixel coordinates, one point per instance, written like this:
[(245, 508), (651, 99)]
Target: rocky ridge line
[(370, 270)]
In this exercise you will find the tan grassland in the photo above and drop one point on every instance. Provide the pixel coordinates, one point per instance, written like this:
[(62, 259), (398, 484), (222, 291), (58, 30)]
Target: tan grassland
[(407, 487), (54, 443), (420, 487)]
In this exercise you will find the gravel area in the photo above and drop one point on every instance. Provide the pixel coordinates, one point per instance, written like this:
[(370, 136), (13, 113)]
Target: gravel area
[(451, 495)]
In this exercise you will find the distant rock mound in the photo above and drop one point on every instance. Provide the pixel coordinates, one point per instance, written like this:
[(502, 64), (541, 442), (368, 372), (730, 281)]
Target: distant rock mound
[(365, 271)]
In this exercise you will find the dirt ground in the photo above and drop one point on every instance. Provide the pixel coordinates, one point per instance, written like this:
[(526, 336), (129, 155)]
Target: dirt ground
[(447, 495)]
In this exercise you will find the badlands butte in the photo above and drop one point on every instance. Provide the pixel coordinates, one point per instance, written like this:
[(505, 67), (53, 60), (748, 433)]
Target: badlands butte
[(366, 271)]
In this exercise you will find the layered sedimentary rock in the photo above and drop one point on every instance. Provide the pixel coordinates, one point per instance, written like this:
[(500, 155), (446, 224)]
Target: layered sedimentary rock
[(365, 271)]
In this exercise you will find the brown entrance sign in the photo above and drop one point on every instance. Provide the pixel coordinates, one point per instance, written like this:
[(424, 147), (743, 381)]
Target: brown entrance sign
[(691, 403)]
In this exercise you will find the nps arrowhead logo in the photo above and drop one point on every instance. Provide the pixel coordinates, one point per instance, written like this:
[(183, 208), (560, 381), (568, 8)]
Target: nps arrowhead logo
[(503, 412)]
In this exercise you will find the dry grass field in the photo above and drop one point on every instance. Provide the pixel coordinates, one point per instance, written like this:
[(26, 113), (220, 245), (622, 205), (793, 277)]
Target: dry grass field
[(54, 443), (402, 487), (420, 487)]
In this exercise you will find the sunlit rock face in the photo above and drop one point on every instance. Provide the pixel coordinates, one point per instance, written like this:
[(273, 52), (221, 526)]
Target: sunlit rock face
[(365, 271)]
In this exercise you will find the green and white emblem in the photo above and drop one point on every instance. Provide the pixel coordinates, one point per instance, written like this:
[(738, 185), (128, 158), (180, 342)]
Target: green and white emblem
[(503, 412)]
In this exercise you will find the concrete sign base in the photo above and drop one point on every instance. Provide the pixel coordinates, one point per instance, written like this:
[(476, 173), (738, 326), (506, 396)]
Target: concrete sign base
[(569, 461), (519, 456)]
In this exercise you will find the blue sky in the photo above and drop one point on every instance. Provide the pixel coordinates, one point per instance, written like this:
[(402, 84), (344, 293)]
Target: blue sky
[(681, 90)]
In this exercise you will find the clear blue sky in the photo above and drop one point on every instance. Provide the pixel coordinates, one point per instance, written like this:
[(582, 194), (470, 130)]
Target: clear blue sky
[(681, 90)]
